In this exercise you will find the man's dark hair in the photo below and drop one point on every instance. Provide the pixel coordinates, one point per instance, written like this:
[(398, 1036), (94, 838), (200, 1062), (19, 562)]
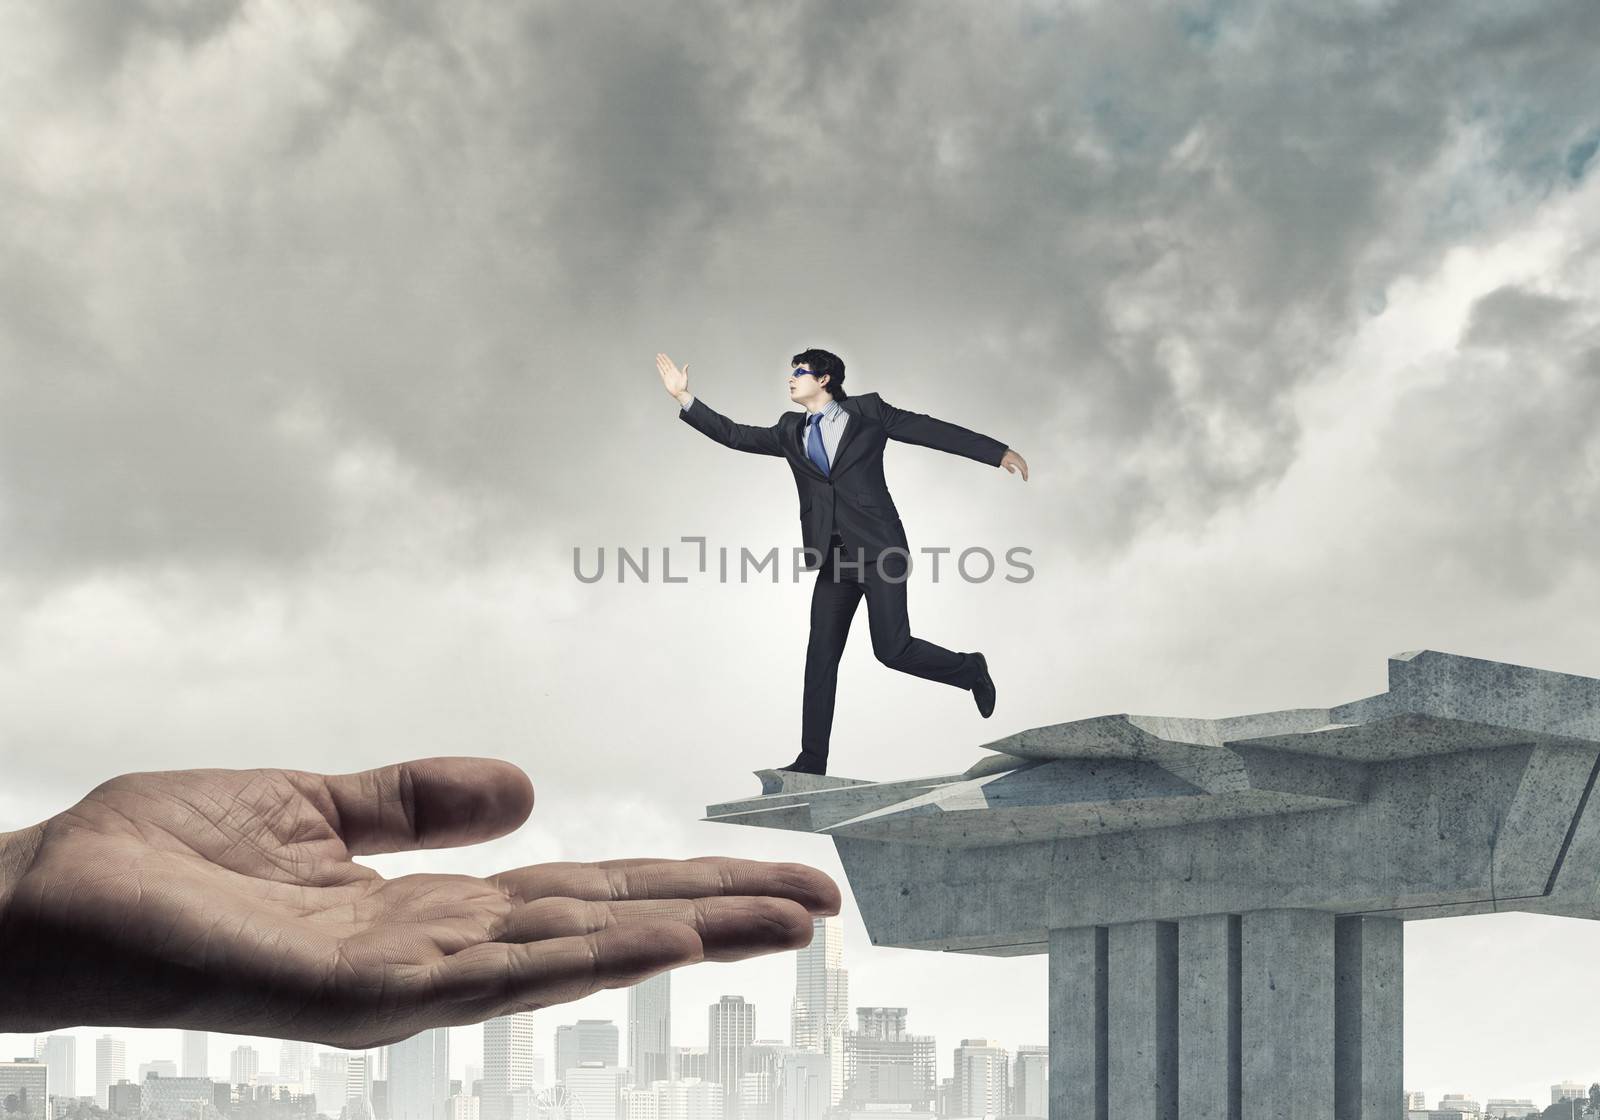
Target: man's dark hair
[(822, 362)]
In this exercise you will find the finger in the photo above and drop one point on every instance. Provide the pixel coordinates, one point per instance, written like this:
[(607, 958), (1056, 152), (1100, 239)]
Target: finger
[(569, 968), (424, 803), (724, 925), (623, 879)]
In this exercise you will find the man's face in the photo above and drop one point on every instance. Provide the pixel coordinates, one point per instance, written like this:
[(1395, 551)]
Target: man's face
[(803, 385)]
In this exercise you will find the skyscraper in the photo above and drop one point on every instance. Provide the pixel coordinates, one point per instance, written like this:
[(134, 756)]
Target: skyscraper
[(1568, 1091), (294, 1062), (507, 1063), (597, 1088), (25, 1085), (161, 1067), (587, 1040), (650, 1030), (330, 1081), (243, 1065), (762, 1083), (196, 1054), (60, 1053), (884, 1064), (982, 1080), (803, 1094), (822, 999), (110, 1066), (732, 1030), (1030, 1094), (419, 1076), (358, 1078)]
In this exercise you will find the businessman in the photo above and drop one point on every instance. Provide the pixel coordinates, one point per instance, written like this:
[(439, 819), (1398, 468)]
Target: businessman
[(850, 528)]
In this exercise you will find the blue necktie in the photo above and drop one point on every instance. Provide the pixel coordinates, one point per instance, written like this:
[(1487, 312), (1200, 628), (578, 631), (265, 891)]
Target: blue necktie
[(814, 443)]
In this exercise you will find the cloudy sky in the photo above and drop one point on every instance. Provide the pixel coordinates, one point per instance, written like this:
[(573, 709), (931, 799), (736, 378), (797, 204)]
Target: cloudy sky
[(327, 333)]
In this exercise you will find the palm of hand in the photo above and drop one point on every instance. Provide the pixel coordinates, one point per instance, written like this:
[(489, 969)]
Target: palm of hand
[(228, 900), (674, 379)]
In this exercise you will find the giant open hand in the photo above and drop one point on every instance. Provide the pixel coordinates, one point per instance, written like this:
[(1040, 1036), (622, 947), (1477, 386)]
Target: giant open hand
[(228, 900)]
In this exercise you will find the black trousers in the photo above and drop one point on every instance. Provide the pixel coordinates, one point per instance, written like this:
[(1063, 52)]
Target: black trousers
[(841, 584)]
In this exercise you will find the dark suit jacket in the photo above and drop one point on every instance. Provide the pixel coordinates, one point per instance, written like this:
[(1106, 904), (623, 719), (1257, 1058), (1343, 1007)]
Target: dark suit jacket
[(852, 499)]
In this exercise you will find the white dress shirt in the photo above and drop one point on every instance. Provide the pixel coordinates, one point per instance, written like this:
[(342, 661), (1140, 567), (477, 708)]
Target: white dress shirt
[(832, 424)]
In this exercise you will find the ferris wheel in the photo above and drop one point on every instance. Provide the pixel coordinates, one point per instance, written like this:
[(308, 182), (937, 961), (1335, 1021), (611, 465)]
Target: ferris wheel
[(557, 1103)]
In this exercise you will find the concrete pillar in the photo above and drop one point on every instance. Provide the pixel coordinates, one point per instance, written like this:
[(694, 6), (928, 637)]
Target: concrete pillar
[(1369, 967), (1268, 1015), (1286, 1015), (1142, 1021), (1208, 1017), (1078, 999)]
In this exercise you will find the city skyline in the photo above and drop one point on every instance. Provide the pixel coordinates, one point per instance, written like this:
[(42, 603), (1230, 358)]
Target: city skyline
[(151, 1047)]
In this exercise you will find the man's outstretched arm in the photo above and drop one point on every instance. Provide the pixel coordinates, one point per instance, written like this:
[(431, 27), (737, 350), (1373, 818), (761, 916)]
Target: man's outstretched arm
[(941, 435), (704, 418)]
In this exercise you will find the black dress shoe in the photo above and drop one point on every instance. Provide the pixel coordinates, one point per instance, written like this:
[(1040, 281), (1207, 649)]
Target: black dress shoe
[(983, 688), (803, 765)]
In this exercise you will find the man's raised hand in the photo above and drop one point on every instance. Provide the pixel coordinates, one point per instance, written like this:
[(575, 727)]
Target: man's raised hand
[(675, 380)]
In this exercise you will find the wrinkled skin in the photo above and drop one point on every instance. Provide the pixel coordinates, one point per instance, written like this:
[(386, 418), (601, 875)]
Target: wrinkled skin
[(227, 900)]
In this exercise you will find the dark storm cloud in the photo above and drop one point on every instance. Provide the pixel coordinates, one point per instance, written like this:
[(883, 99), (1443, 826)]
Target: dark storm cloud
[(1500, 457), (1513, 316), (457, 235)]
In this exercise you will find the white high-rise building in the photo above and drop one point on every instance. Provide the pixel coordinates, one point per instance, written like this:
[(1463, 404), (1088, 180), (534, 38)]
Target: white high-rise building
[(196, 1054), (339, 1078), (885, 1065), (587, 1040), (419, 1076), (761, 1085), (597, 1088), (1568, 1091), (508, 1064), (110, 1066), (295, 1061), (640, 1103), (243, 1065), (731, 1030), (327, 1082), (161, 1067), (358, 1078), (820, 1011), (1030, 1082), (25, 1089), (650, 1030), (982, 1079), (803, 1093), (689, 1098), (60, 1053), (1416, 1101)]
